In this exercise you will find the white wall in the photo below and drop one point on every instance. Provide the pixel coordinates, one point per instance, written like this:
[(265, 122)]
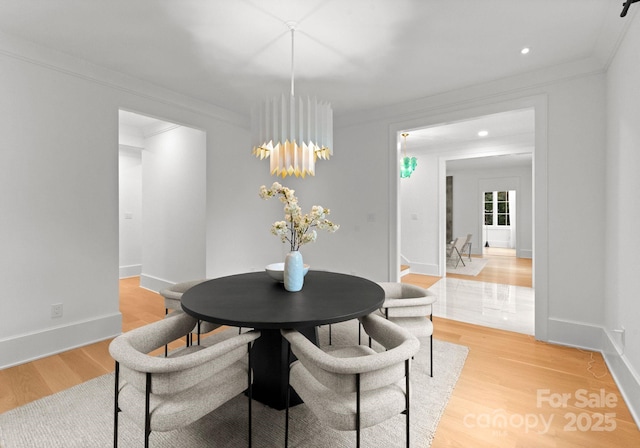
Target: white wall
[(343, 184), (354, 185), (419, 219), (59, 192), (173, 207), (130, 211), (622, 210)]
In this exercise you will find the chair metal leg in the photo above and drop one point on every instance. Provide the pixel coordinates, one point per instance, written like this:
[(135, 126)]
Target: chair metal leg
[(358, 410), (166, 311), (359, 333), (459, 258), (250, 390), (431, 347), (147, 408), (329, 334), (286, 423), (116, 408), (199, 331), (407, 399)]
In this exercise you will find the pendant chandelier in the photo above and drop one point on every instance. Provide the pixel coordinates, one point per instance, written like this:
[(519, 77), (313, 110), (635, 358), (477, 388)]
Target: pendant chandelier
[(407, 164), (292, 132)]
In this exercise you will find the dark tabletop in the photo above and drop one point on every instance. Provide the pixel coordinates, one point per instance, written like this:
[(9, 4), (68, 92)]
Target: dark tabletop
[(256, 300)]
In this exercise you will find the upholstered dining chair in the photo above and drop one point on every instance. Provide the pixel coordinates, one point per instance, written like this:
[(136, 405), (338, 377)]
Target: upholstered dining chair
[(411, 307), (172, 298), (354, 387), (163, 394)]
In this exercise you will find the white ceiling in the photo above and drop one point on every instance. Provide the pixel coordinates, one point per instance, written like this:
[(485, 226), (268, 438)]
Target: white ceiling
[(356, 54), (513, 129), (509, 142)]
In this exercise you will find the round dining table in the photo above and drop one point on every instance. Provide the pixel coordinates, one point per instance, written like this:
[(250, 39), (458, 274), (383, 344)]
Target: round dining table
[(255, 300)]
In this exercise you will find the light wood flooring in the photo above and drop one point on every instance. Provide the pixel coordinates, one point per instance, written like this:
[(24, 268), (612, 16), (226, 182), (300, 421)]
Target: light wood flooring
[(501, 377), (503, 267)]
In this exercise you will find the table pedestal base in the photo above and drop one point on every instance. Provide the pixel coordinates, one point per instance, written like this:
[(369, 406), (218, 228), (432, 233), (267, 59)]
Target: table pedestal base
[(269, 362)]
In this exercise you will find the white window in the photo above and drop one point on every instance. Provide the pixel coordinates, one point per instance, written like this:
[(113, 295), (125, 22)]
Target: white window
[(496, 208)]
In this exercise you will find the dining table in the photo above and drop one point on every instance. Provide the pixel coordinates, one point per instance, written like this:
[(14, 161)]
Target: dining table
[(256, 300)]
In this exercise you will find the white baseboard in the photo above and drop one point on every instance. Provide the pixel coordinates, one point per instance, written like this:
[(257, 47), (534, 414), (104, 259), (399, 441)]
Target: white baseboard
[(154, 284), (525, 253), (574, 334), (424, 268), (596, 338), (29, 347), (133, 270), (626, 378)]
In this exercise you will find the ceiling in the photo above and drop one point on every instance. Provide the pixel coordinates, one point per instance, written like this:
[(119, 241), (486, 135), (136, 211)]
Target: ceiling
[(513, 129), (356, 54)]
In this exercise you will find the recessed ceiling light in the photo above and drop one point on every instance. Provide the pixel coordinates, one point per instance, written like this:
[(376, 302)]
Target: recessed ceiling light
[(525, 50), (483, 133)]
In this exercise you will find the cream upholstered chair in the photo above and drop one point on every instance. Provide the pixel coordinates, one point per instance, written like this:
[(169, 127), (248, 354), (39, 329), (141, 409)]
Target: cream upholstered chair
[(163, 394), (411, 307), (354, 387), (172, 301)]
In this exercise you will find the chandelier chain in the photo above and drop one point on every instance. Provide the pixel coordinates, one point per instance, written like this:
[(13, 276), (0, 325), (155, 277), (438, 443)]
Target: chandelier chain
[(405, 135)]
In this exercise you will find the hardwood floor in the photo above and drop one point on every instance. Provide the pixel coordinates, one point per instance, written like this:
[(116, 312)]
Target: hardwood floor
[(502, 377), (496, 396), (502, 268), (501, 397)]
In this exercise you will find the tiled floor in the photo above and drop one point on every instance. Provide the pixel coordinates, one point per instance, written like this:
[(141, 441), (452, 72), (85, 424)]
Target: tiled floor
[(490, 304)]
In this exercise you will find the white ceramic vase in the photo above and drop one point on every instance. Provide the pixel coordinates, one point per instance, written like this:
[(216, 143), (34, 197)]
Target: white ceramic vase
[(293, 271)]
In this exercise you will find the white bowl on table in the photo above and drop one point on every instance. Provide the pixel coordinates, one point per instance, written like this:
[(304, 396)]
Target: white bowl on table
[(276, 271)]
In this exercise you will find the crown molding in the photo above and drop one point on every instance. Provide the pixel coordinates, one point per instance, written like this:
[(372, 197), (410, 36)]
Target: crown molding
[(466, 97), (124, 147), (613, 31), (160, 128), (29, 52)]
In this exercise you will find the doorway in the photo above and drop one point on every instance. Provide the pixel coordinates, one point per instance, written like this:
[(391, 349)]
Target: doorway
[(162, 196), (467, 163)]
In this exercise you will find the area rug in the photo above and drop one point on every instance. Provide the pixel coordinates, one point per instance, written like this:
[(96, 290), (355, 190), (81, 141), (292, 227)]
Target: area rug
[(82, 416), (473, 267)]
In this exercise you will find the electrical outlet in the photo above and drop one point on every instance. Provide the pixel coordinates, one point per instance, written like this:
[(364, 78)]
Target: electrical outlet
[(56, 310)]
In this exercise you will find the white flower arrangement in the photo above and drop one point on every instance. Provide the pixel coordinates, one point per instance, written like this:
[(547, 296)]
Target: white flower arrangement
[(297, 229)]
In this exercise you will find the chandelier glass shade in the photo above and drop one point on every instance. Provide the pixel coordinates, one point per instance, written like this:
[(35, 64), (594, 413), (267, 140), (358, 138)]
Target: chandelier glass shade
[(293, 133), (407, 164)]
